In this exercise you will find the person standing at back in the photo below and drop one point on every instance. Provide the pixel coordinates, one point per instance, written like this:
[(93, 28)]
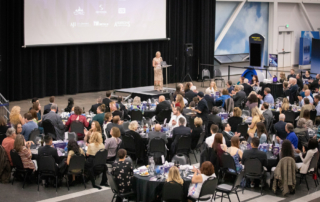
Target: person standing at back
[(47, 108), (94, 107), (202, 110), (291, 75)]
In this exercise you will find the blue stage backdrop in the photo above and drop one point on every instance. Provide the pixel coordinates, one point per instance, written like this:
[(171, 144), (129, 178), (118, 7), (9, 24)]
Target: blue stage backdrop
[(315, 57)]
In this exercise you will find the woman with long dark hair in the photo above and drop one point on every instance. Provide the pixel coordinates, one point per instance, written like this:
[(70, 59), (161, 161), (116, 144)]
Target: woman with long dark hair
[(261, 133), (73, 149), (70, 105), (254, 81), (252, 101)]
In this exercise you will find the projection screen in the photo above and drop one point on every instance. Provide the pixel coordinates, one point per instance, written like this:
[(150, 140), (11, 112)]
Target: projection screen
[(59, 22)]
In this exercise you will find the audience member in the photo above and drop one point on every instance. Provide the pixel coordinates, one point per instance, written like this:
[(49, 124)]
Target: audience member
[(307, 106), (37, 107), (174, 175), (299, 81), (34, 115), (95, 127), (187, 87), (163, 105), (214, 130), (267, 96), (196, 132), (254, 81), (77, 117), (306, 115), (268, 116), (73, 149), (202, 110), (307, 96), (312, 149), (239, 96), (23, 149), (100, 114), (214, 118), (256, 117), (292, 137), (291, 75), (3, 125), (112, 143), (47, 108), (261, 133), (56, 121), (200, 176), (307, 75), (212, 88), (70, 105), (106, 101), (315, 83), (177, 133), (49, 150), (116, 122), (28, 127), (225, 95), (15, 116), (179, 90), (157, 134), (236, 153), (116, 112), (282, 77), (247, 88), (94, 107), (286, 90), (317, 104), (230, 88), (179, 102), (302, 133), (302, 92), (252, 101), (18, 128), (228, 134), (209, 98), (219, 147), (176, 115), (8, 142), (280, 127), (293, 89), (285, 106), (191, 93), (133, 127)]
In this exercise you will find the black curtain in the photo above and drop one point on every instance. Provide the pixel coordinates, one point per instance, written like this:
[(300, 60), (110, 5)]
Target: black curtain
[(59, 70)]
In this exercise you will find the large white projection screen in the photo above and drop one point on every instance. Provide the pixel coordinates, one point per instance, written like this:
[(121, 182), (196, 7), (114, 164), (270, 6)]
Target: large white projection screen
[(58, 22)]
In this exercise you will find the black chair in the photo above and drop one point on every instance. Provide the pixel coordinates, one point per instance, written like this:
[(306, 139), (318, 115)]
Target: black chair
[(243, 129), (172, 191), (253, 170), (313, 165), (2, 136), (47, 168), (290, 117), (181, 158), (136, 115), (218, 77), (76, 167), (157, 147), (210, 105), (191, 121), (208, 188), (125, 125), (49, 128), (99, 162), (184, 145), (115, 189), (229, 167), (164, 114), (19, 169), (313, 114), (128, 144), (34, 134), (77, 127), (200, 142)]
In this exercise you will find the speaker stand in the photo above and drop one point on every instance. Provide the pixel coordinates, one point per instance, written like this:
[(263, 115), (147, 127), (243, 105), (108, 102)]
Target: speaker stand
[(186, 76)]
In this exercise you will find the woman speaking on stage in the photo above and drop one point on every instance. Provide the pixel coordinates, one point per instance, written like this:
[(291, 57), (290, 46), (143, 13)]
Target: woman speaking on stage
[(158, 78)]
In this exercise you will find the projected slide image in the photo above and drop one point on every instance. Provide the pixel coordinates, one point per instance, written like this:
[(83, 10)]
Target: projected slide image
[(77, 21)]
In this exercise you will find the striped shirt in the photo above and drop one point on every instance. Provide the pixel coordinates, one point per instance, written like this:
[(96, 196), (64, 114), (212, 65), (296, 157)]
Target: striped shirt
[(26, 155)]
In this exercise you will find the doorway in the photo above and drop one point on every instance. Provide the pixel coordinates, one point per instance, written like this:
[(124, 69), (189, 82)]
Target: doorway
[(285, 49)]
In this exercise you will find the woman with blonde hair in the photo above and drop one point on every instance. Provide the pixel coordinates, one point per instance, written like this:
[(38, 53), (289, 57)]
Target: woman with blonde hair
[(136, 103), (285, 105), (196, 131), (95, 127), (282, 77), (256, 117), (15, 116), (133, 127), (213, 87), (179, 102), (174, 175), (158, 77), (236, 119)]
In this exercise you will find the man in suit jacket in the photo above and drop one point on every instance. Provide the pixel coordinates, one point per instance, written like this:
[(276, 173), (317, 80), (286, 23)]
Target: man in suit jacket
[(47, 108), (191, 94), (214, 118), (107, 100), (209, 99), (56, 121), (228, 134), (48, 150), (255, 153), (280, 127), (157, 133), (268, 116), (315, 83), (291, 75), (177, 133), (299, 81), (246, 87), (116, 122), (238, 97), (94, 107), (163, 104)]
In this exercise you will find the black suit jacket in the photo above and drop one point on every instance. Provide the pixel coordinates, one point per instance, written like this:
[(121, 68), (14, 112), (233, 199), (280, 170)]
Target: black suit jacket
[(176, 134), (238, 97), (247, 88), (314, 85), (106, 102), (280, 128), (161, 106), (227, 137), (48, 151), (209, 99), (47, 109), (291, 75), (94, 108), (300, 83), (255, 153), (215, 119), (190, 95)]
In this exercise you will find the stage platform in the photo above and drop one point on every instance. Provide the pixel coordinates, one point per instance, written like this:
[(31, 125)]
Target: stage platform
[(145, 93)]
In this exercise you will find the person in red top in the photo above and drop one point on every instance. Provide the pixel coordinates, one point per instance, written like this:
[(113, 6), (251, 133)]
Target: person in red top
[(8, 142), (77, 117)]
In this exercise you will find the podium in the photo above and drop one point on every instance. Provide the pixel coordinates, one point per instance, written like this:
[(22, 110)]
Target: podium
[(166, 67)]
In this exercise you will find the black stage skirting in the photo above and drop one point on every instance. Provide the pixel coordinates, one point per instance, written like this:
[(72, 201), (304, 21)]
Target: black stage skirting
[(276, 89), (146, 92)]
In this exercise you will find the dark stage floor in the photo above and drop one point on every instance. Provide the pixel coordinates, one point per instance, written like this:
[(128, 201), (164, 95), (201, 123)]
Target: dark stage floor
[(146, 92)]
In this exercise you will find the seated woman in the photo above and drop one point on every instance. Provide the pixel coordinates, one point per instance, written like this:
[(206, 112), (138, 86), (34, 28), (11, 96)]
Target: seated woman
[(236, 153), (23, 149), (213, 87), (236, 119), (218, 147), (100, 114), (34, 115), (107, 120), (254, 81), (73, 149), (123, 173), (174, 175), (133, 126), (179, 102), (261, 133), (200, 176), (95, 127), (312, 149), (196, 131), (285, 106), (37, 107), (225, 95), (306, 115), (307, 75), (18, 128), (136, 104), (256, 117), (282, 77), (95, 145), (114, 110), (77, 117), (70, 105), (301, 132), (286, 151), (15, 116), (302, 92), (252, 101), (306, 106), (112, 143)]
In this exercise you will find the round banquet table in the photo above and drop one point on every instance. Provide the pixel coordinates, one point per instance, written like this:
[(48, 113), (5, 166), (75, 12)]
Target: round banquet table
[(277, 113), (273, 162), (148, 190), (145, 142)]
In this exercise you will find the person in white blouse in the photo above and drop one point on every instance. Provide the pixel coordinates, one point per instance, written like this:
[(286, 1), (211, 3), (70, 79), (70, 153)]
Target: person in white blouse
[(213, 87), (312, 149), (175, 118), (209, 140)]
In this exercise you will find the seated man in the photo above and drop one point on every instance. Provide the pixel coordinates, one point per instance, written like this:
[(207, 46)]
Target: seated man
[(246, 87), (268, 98), (191, 93), (94, 107), (29, 126), (280, 127), (291, 135), (163, 104), (208, 98), (116, 122), (48, 150), (157, 133), (238, 96), (47, 107), (179, 90), (175, 117), (177, 133), (209, 140), (307, 95), (228, 134), (56, 121), (8, 142)]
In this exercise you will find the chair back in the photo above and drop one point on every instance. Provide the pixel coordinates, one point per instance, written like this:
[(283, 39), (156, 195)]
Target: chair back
[(46, 165), (157, 145), (112, 183), (48, 127), (128, 143), (313, 114), (16, 159), (205, 74), (191, 121), (246, 113), (34, 134), (229, 105), (243, 129), (228, 162), (125, 125), (181, 158), (2, 136), (172, 191), (290, 117), (217, 73), (77, 163), (253, 168), (209, 187), (184, 144), (165, 114), (314, 162), (100, 158), (77, 127), (72, 136), (201, 139), (136, 115)]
